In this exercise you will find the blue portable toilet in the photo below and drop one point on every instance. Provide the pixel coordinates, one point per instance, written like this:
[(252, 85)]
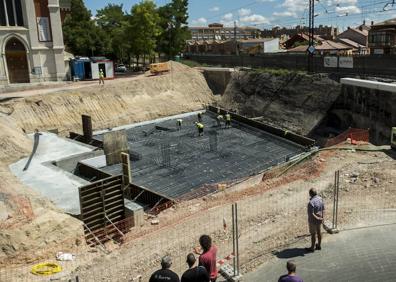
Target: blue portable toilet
[(81, 68)]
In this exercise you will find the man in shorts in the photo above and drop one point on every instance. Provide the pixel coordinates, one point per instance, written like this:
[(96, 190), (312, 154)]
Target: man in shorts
[(315, 211)]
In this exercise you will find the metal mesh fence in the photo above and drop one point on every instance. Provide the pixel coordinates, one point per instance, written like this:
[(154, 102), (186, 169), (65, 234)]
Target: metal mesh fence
[(269, 219)]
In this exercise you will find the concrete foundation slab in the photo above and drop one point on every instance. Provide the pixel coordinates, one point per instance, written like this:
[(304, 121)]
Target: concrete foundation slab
[(176, 162), (58, 185)]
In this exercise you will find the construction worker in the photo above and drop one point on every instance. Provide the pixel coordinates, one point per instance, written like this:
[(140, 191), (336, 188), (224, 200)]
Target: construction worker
[(220, 119), (228, 120), (200, 127), (199, 117), (101, 77), (179, 124)]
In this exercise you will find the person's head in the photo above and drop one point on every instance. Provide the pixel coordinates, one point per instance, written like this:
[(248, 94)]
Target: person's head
[(166, 262), (206, 242), (190, 259), (312, 192), (291, 266)]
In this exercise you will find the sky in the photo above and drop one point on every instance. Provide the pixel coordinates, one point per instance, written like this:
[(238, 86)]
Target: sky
[(266, 14)]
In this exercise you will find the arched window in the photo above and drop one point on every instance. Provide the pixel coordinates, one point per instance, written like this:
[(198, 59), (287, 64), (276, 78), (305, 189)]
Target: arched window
[(11, 13)]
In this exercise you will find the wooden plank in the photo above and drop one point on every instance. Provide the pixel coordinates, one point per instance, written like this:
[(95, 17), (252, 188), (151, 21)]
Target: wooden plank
[(101, 198), (115, 143)]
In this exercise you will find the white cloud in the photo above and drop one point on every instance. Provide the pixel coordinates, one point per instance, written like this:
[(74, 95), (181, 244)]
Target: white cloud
[(264, 1), (228, 17), (229, 23), (244, 12), (340, 2), (348, 10), (214, 9), (255, 19), (200, 22), (295, 5), (284, 14)]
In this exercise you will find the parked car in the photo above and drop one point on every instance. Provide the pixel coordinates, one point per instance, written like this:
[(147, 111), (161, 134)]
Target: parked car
[(121, 68)]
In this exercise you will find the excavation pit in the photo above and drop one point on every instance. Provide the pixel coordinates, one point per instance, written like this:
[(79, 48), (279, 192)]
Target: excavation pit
[(178, 164)]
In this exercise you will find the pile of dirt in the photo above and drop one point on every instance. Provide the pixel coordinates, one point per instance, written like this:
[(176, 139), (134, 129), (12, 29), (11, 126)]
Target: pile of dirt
[(29, 224), (292, 101), (31, 227), (118, 102)]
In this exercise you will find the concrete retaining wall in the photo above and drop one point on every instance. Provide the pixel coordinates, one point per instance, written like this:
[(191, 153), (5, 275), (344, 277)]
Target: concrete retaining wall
[(362, 66), (367, 108)]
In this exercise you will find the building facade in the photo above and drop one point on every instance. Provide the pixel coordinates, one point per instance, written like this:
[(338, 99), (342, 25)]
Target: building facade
[(382, 38), (31, 40), (355, 34), (325, 32), (219, 32)]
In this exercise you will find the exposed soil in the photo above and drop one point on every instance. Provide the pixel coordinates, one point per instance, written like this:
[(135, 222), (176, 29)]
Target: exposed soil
[(31, 225), (271, 214), (275, 98)]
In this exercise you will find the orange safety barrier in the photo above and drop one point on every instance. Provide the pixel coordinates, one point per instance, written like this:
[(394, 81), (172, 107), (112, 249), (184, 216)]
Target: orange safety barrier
[(355, 134)]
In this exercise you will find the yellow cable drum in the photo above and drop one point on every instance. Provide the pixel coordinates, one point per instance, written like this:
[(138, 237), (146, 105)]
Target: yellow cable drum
[(47, 268)]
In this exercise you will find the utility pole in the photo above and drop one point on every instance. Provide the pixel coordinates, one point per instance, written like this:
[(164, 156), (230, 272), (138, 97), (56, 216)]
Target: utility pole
[(311, 47), (235, 39)]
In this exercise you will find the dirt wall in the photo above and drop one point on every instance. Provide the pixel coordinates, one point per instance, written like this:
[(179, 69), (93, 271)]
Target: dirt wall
[(31, 227), (118, 102), (289, 100)]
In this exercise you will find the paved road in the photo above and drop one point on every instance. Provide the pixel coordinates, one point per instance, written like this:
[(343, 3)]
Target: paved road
[(356, 255)]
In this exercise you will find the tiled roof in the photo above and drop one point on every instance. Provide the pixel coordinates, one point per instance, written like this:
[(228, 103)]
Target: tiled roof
[(387, 22)]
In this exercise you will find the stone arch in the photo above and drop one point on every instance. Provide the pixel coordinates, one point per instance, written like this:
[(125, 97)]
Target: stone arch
[(17, 62)]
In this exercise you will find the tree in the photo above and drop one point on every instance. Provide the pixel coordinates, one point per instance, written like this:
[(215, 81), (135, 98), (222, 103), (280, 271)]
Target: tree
[(113, 21), (173, 22), (81, 35), (110, 17), (143, 29)]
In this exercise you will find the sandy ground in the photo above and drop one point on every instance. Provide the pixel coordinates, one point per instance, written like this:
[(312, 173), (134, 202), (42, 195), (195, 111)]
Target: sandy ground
[(30, 224), (272, 215), (117, 102)]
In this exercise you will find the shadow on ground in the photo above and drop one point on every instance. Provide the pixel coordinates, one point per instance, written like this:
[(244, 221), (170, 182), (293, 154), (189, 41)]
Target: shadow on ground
[(290, 253)]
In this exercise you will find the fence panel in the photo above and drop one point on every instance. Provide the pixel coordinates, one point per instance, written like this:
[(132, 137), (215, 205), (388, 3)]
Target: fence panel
[(270, 218)]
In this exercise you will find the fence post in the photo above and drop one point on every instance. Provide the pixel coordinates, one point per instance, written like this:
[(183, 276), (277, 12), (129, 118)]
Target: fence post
[(335, 199), (237, 237), (338, 190), (233, 239)]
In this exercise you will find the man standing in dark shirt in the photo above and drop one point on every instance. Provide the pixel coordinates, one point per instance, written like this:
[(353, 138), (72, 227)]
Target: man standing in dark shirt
[(165, 274), (291, 275), (315, 211), (194, 274)]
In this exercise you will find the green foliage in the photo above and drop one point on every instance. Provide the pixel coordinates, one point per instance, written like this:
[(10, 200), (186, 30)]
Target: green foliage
[(146, 30), (143, 29), (110, 17), (113, 21), (173, 22), (277, 72), (81, 35)]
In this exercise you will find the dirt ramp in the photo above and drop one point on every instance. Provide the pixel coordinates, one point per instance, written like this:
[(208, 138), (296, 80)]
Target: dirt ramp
[(119, 102), (290, 100)]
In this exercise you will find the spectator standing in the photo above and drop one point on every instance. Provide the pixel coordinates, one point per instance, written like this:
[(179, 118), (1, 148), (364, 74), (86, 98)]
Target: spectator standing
[(208, 257), (165, 274), (291, 275), (315, 211), (194, 274)]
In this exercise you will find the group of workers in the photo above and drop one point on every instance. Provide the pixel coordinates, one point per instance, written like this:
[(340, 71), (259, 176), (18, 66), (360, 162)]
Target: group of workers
[(200, 126)]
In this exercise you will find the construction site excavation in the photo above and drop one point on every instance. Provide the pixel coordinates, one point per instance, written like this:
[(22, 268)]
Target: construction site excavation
[(99, 183), (180, 164)]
